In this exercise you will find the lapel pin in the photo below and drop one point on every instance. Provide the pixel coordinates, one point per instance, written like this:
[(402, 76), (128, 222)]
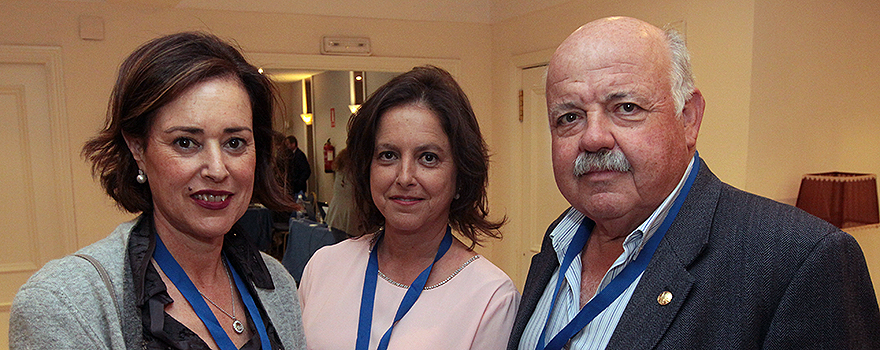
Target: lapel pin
[(664, 298)]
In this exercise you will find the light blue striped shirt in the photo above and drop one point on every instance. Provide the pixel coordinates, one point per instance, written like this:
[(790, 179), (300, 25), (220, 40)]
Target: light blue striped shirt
[(597, 333)]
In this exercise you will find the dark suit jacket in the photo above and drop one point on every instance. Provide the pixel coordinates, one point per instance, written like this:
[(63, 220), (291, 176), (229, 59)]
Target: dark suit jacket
[(745, 272), (298, 171)]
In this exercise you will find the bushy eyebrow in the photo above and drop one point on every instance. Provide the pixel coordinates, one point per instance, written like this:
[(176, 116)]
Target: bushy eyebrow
[(617, 96), (564, 106), (609, 97)]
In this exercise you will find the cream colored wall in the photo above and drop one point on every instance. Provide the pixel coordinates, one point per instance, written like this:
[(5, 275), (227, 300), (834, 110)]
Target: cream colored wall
[(330, 90), (89, 66), (815, 92)]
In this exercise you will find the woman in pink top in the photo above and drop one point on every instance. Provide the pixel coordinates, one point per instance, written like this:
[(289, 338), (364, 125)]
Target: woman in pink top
[(419, 167)]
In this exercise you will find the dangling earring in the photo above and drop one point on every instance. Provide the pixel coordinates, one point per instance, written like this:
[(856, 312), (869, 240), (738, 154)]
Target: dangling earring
[(141, 177)]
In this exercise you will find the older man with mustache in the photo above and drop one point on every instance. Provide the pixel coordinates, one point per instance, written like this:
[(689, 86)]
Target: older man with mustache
[(656, 252)]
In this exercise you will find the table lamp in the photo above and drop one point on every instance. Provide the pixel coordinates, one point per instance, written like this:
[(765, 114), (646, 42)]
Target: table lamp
[(843, 199)]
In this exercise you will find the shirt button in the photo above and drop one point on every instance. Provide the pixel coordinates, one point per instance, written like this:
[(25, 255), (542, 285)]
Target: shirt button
[(664, 298)]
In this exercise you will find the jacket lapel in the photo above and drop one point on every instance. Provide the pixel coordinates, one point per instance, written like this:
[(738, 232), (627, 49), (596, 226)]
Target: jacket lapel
[(646, 319), (540, 271)]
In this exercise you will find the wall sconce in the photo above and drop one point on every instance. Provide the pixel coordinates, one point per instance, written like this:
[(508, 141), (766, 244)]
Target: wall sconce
[(358, 90), (307, 118)]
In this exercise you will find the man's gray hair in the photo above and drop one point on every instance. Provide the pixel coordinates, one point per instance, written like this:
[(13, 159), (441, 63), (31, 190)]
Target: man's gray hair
[(681, 74)]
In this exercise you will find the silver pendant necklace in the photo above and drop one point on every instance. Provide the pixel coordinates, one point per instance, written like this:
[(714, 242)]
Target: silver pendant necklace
[(236, 324)]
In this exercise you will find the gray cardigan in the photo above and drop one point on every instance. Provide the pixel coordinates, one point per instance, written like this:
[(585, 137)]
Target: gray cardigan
[(65, 305)]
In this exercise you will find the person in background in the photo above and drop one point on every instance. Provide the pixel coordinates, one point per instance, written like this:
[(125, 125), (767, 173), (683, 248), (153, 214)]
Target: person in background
[(414, 187), (341, 208), (297, 167), (656, 252), (188, 145)]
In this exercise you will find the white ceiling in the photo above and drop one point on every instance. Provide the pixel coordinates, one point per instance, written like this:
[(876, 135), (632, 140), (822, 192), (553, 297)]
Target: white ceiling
[(474, 11)]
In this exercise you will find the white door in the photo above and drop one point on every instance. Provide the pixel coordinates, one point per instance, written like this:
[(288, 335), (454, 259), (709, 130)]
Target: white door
[(36, 208), (541, 200)]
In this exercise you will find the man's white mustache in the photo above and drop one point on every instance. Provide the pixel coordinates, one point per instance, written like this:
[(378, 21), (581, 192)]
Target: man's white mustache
[(604, 160)]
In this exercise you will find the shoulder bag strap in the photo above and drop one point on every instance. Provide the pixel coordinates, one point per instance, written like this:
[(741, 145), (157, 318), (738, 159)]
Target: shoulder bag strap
[(104, 277)]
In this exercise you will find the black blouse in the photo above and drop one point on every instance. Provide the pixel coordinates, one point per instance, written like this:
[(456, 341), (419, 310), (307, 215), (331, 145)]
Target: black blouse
[(161, 331)]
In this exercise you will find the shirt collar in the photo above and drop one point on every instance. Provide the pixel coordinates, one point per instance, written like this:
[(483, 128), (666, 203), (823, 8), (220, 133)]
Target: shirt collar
[(564, 232)]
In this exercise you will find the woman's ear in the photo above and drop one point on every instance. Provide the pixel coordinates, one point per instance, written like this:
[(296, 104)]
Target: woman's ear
[(136, 147)]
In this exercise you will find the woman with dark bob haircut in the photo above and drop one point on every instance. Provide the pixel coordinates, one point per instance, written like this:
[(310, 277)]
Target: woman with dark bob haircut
[(188, 145), (420, 166)]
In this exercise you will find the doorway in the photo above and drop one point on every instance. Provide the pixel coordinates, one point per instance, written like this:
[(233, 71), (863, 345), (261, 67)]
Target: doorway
[(539, 196), (37, 209)]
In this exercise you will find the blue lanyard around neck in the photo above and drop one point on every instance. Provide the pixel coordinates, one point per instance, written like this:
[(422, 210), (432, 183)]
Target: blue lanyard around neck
[(189, 291), (365, 322), (617, 285)]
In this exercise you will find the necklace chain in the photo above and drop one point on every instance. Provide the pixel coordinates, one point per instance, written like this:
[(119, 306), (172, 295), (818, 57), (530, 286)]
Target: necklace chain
[(454, 273), (373, 241), (236, 324)]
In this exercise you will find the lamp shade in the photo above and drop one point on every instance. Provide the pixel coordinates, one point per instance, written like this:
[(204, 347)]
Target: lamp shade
[(843, 199)]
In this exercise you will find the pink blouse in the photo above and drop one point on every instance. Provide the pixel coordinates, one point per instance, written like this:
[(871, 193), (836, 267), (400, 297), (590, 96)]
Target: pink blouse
[(473, 310)]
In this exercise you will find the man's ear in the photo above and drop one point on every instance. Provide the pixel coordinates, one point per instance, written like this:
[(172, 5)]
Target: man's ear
[(692, 116), (136, 147)]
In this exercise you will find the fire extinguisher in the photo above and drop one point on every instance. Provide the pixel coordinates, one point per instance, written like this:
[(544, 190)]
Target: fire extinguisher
[(329, 154)]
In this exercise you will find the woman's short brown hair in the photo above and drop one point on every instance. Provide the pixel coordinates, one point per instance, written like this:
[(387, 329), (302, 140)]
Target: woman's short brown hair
[(157, 73), (435, 89)]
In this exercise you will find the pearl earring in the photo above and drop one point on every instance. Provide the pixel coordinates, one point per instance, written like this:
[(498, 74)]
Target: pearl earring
[(141, 177)]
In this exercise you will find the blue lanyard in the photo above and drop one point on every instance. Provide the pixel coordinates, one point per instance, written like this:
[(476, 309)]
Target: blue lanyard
[(412, 294), (177, 276), (617, 285)]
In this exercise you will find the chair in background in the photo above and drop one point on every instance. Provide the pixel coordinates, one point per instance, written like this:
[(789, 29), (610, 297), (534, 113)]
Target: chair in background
[(307, 200), (314, 209), (257, 225), (304, 239)]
